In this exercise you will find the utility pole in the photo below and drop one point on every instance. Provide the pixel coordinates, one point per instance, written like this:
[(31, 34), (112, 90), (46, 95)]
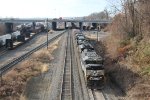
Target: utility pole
[(47, 31), (1, 77), (97, 35), (98, 30)]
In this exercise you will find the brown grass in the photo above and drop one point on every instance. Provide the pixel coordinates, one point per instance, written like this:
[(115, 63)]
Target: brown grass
[(139, 92), (111, 44), (127, 63), (43, 55), (128, 50), (14, 81)]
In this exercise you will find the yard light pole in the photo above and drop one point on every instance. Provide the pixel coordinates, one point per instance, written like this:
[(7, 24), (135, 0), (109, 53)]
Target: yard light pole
[(47, 31), (97, 35), (98, 29)]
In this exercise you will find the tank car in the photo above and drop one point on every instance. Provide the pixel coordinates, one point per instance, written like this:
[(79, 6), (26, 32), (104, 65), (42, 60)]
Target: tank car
[(3, 39)]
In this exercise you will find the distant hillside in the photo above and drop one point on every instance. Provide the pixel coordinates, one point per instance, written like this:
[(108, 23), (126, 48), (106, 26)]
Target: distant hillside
[(97, 16)]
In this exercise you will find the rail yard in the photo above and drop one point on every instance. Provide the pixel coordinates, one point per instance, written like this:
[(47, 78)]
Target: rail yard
[(76, 72), (75, 50)]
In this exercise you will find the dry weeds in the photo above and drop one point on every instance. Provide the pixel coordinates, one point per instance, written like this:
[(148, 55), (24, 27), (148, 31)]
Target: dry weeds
[(128, 50), (128, 66), (14, 82)]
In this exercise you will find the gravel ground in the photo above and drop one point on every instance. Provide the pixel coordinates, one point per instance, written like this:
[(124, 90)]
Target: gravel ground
[(36, 41), (46, 86), (78, 94), (93, 34)]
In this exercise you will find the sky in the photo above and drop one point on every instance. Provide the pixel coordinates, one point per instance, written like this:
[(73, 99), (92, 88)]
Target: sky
[(50, 8)]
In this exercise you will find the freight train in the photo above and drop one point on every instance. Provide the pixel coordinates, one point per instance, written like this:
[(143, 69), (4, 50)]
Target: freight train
[(91, 63), (24, 33)]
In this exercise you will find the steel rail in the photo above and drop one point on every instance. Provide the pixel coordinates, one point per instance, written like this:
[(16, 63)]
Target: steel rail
[(66, 82), (9, 65), (3, 51)]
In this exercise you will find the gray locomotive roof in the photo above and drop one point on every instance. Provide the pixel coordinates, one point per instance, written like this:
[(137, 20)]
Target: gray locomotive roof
[(91, 53), (91, 56)]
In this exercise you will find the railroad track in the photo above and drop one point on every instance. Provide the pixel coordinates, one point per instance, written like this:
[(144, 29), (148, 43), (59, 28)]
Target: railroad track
[(8, 66), (94, 95), (97, 95), (66, 82), (3, 51), (84, 89)]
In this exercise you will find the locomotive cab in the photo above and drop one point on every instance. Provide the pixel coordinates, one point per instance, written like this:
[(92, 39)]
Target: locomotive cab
[(92, 66), (95, 76)]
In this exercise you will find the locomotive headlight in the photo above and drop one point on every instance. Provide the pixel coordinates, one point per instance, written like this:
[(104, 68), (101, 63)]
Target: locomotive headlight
[(91, 78), (101, 77)]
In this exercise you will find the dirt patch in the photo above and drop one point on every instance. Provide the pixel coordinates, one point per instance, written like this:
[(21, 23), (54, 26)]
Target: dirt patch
[(14, 82), (44, 86), (92, 36)]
